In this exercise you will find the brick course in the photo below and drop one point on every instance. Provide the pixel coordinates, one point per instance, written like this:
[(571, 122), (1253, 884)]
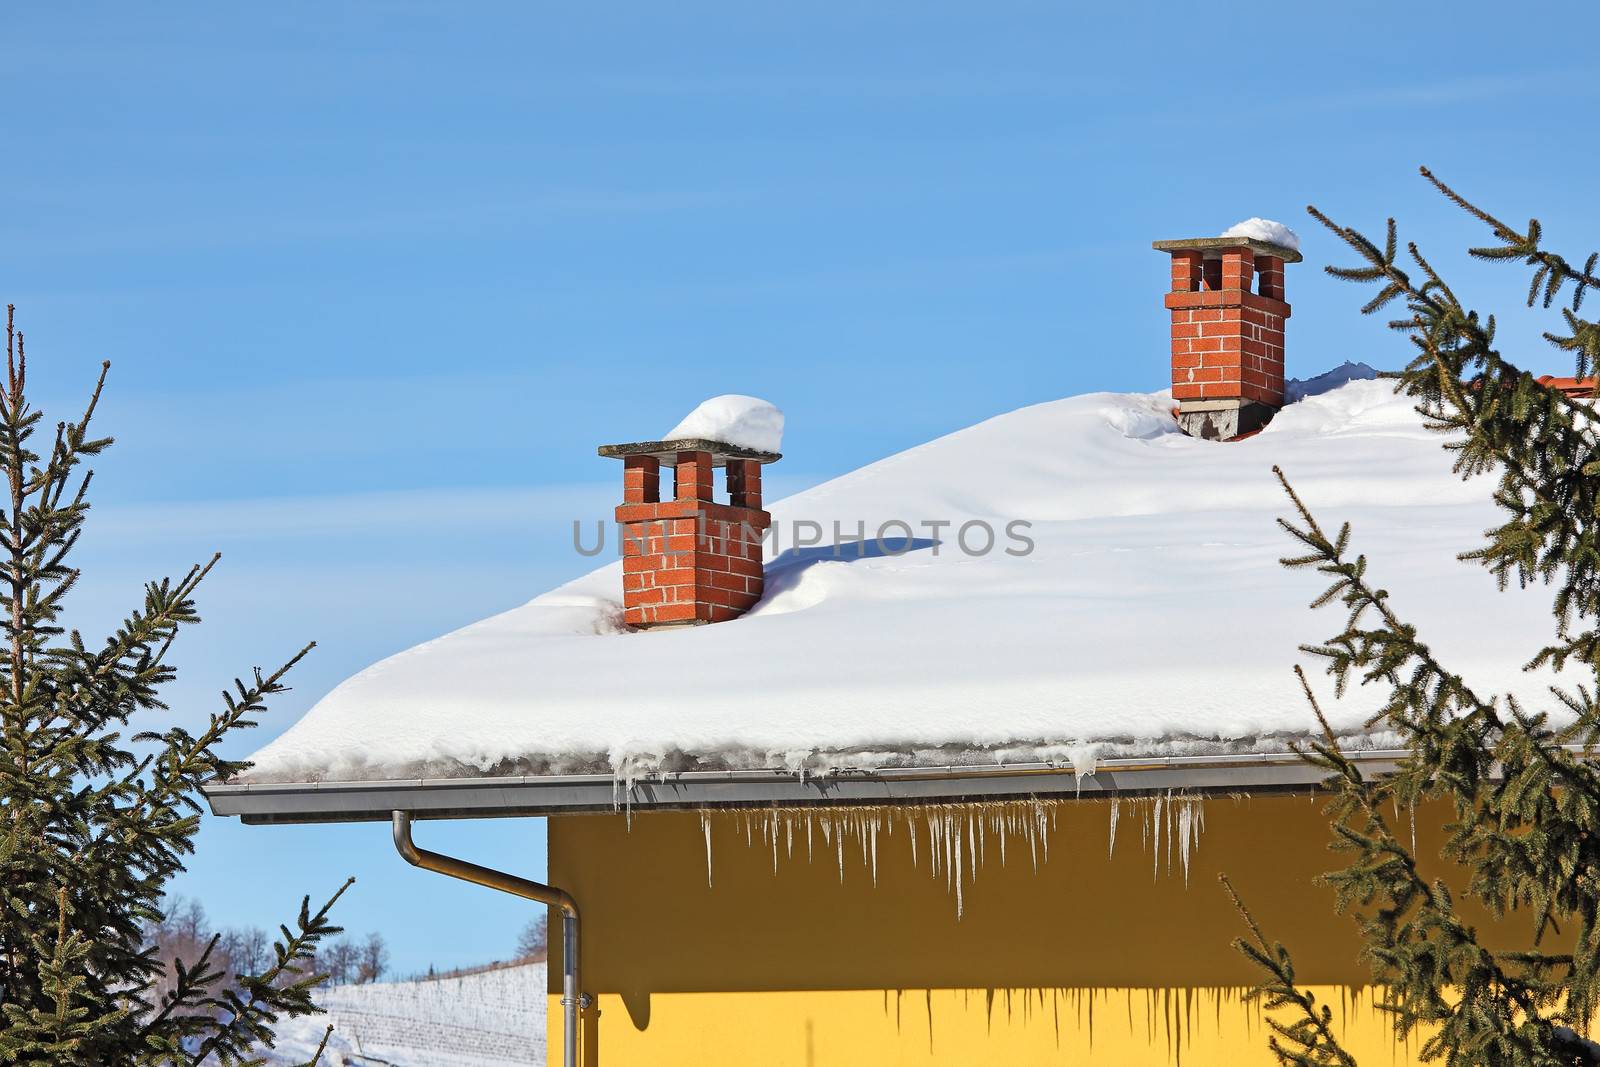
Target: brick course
[(1227, 341)]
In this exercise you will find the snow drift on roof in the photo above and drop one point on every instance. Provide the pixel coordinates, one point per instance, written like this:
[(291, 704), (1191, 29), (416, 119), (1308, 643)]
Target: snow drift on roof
[(1274, 233), (1150, 616), (744, 421)]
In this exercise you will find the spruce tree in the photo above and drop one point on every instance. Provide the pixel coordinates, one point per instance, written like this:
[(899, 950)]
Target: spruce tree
[(93, 825), (1523, 840)]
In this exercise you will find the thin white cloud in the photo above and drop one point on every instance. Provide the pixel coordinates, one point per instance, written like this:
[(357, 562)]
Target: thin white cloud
[(1439, 93), (417, 514), (461, 216), (352, 515)]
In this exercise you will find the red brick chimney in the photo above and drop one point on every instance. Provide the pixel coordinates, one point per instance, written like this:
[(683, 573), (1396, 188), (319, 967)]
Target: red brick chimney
[(1228, 314), (689, 560)]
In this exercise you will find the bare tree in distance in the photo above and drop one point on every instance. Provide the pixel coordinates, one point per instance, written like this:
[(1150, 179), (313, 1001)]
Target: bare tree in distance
[(372, 958), (534, 941)]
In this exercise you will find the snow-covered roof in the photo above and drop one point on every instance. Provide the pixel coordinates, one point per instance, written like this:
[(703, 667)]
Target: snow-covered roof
[(1150, 617)]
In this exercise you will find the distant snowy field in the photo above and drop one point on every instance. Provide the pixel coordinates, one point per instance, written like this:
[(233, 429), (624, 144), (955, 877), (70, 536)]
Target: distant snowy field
[(491, 1019)]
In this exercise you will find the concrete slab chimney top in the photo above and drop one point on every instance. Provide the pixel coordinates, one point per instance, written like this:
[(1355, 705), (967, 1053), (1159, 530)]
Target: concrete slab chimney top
[(667, 451)]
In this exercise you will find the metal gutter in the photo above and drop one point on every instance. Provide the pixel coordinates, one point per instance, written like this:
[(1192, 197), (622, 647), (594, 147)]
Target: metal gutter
[(573, 999), (531, 794)]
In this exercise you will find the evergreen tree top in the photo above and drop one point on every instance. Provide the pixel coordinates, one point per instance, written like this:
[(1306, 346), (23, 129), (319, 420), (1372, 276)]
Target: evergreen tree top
[(94, 824), (1525, 794)]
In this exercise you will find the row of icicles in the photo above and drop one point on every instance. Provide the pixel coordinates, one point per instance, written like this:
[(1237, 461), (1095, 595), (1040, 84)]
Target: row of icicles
[(956, 839)]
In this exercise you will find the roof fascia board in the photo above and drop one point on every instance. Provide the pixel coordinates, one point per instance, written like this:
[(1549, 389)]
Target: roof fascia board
[(535, 795)]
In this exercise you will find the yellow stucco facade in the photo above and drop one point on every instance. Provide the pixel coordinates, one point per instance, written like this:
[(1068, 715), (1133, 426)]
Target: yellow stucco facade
[(1080, 956)]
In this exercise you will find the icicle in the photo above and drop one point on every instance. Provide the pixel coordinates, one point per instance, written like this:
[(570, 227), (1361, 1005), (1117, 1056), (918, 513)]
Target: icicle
[(1198, 805), (931, 826), (972, 848), (705, 826), (949, 851), (1045, 826), (1155, 863), (1199, 820), (958, 871), (1170, 808), (957, 833), (1185, 827)]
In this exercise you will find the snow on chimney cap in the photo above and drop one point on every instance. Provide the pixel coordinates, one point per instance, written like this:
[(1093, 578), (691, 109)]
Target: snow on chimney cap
[(1268, 230), (731, 426)]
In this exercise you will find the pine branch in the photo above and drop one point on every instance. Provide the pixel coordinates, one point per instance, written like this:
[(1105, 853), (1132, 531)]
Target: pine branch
[(1454, 737), (1551, 270), (283, 989), (190, 761), (1309, 1040), (1541, 441)]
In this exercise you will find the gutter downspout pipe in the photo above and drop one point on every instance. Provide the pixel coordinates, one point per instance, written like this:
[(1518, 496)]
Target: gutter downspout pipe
[(573, 1000)]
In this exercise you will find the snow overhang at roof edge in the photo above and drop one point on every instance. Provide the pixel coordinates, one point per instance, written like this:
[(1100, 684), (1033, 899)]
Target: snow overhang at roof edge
[(534, 795)]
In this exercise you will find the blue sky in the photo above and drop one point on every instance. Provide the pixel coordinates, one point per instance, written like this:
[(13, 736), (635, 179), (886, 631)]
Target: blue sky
[(376, 278)]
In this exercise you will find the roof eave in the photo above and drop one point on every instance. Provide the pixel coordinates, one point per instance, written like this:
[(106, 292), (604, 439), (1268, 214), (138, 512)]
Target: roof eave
[(536, 795)]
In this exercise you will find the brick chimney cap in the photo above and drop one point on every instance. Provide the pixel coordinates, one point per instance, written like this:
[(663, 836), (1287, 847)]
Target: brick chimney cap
[(1213, 247), (667, 451)]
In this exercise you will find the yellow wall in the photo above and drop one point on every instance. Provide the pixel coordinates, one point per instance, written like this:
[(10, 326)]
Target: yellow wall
[(1090, 959)]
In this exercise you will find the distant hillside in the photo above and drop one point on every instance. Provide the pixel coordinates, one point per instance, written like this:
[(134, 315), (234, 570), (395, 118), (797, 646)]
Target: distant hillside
[(491, 1018)]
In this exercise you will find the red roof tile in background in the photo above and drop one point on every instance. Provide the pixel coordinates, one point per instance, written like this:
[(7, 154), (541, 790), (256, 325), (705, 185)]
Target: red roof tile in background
[(1577, 387)]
